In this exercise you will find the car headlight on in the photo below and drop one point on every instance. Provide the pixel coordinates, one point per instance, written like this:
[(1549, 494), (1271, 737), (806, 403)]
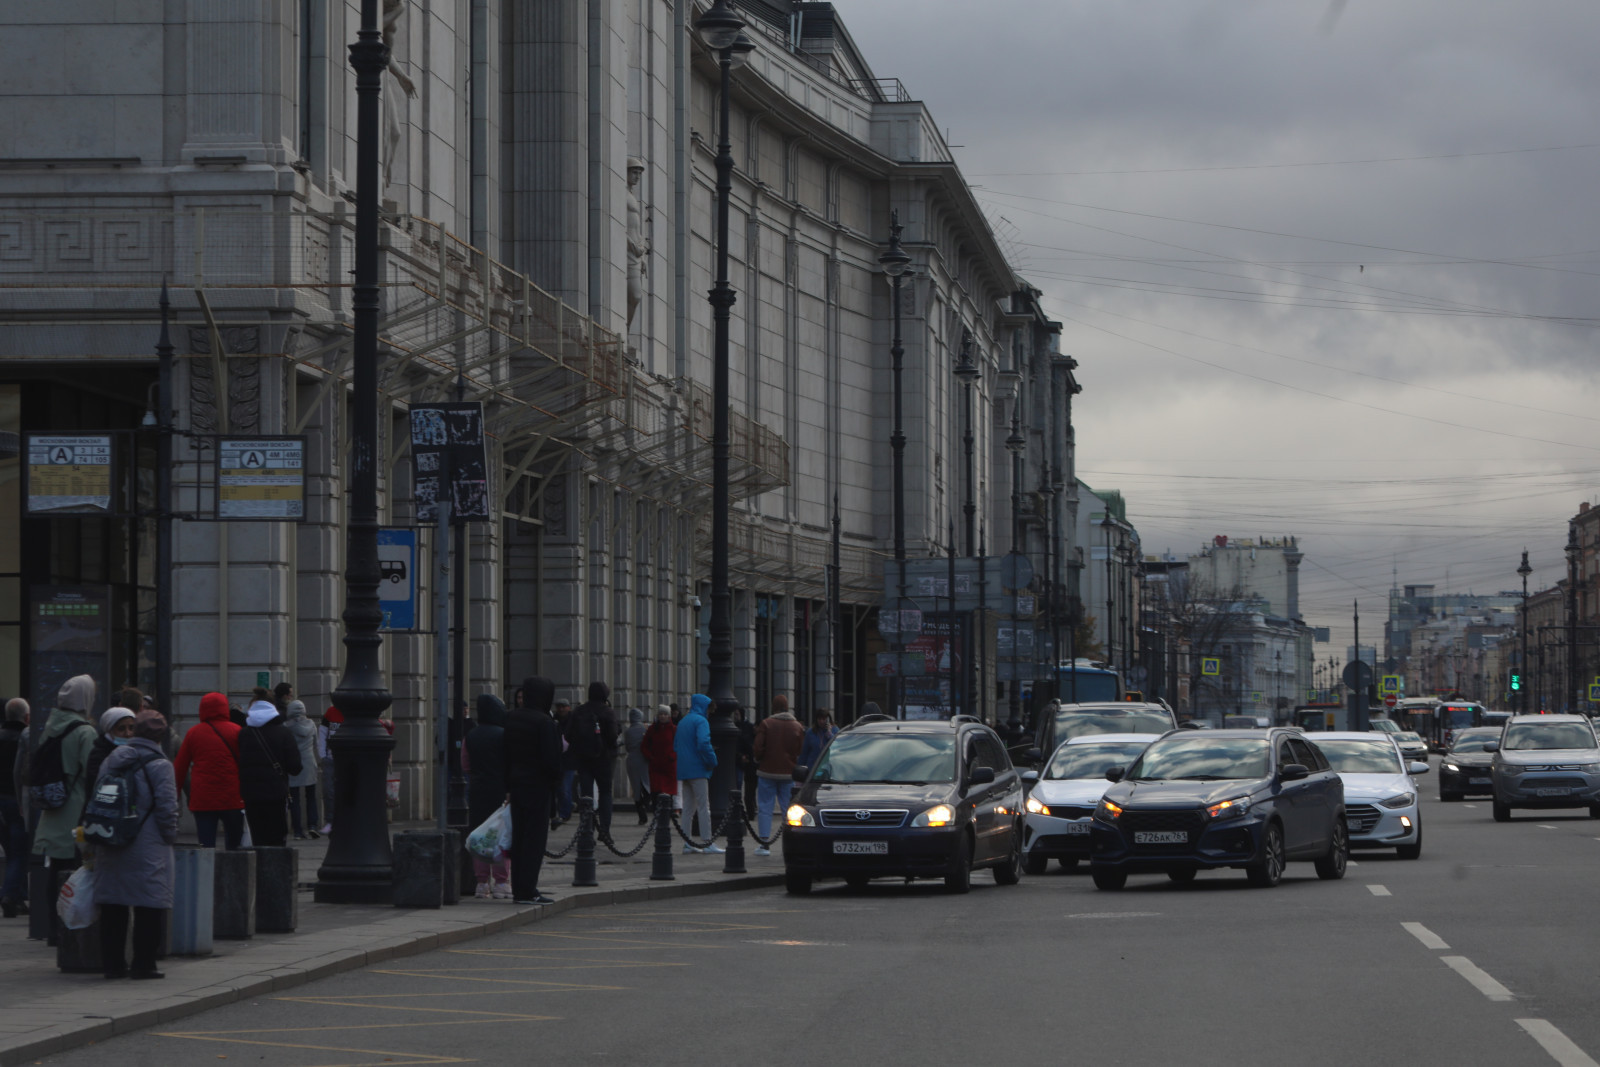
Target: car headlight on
[(1108, 811), (938, 815), (1404, 800), (798, 816), (1229, 809), (1452, 768), (1036, 807)]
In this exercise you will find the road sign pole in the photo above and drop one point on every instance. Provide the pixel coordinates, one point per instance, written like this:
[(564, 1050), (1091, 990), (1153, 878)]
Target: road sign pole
[(441, 662)]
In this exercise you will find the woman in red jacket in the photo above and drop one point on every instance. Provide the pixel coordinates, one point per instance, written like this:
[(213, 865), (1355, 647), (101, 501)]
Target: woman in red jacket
[(659, 754), (207, 769)]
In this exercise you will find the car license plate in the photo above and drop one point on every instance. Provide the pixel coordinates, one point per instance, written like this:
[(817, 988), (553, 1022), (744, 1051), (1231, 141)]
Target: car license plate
[(1479, 781), (1076, 828), (1558, 792), (861, 848), (1161, 837)]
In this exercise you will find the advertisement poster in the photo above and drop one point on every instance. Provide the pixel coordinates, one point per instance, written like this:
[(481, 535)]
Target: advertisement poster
[(942, 650)]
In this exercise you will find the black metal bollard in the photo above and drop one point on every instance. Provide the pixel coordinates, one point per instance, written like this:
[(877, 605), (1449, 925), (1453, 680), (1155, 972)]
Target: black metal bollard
[(661, 859), (733, 859), (583, 868)]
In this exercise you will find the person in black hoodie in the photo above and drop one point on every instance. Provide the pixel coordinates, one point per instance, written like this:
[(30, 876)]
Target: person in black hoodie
[(531, 760), (592, 746), (268, 755), (486, 787)]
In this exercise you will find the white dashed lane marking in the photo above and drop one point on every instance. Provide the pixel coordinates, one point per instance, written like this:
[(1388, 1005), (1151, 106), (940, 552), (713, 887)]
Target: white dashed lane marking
[(1545, 826), (1469, 806), (1428, 938), (1480, 979), (1379, 891), (1559, 1045)]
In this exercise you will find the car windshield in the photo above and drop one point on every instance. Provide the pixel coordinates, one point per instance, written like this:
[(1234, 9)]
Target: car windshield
[(1407, 735), (1361, 757), (1093, 760), (1202, 759), (1473, 742), (889, 757), (1537, 735), (1388, 726), (1070, 724)]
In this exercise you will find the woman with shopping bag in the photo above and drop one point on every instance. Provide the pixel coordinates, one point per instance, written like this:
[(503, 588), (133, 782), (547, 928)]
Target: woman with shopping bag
[(137, 877)]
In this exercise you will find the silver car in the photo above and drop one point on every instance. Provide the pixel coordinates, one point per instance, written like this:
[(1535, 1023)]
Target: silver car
[(1546, 761)]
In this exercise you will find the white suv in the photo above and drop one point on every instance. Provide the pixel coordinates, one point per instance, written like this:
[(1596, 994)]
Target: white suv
[(1380, 799), (1546, 761)]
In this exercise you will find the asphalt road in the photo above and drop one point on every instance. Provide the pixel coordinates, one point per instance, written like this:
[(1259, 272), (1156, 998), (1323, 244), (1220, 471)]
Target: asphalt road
[(1481, 952)]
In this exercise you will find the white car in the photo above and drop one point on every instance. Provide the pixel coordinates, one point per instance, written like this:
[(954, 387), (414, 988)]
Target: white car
[(1061, 803), (1380, 799)]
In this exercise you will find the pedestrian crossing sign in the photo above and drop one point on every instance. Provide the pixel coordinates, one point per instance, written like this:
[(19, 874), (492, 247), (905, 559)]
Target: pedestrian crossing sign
[(1594, 693), (1391, 683), (1210, 666)]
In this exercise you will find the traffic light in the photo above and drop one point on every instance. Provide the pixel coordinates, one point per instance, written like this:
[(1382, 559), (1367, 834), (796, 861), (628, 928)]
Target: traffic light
[(1516, 682)]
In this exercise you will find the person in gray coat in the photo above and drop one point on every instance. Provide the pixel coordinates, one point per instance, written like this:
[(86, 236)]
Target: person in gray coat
[(138, 877), (638, 767), (304, 732)]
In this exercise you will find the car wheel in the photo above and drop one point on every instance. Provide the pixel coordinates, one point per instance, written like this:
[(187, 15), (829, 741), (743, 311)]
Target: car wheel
[(959, 880), (1330, 868), (1501, 812), (1413, 850), (1269, 871), (857, 881), (1108, 878), (1010, 870), (1068, 863), (1035, 863), (797, 885), (1182, 875)]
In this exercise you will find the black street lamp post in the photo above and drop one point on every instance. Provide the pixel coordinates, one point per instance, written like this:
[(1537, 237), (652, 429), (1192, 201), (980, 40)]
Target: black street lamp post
[(720, 29), (358, 868), (895, 263), (1016, 444), (1573, 700), (967, 371), (1522, 694)]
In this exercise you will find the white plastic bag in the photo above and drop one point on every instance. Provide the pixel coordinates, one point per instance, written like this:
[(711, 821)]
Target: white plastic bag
[(492, 840), (76, 904)]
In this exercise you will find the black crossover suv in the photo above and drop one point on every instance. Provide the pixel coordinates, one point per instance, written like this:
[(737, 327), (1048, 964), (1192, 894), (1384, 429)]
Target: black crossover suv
[(925, 799), (1197, 800)]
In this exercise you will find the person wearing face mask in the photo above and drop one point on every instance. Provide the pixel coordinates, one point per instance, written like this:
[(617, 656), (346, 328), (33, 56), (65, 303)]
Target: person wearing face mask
[(134, 881), (116, 728)]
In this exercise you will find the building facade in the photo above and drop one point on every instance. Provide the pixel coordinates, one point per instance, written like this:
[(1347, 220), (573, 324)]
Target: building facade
[(548, 186)]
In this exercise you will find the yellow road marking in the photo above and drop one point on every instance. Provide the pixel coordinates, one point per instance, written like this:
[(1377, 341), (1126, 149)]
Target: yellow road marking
[(613, 940), (400, 1059)]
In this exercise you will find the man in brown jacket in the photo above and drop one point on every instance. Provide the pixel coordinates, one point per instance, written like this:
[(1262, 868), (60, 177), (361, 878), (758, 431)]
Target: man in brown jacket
[(778, 741)]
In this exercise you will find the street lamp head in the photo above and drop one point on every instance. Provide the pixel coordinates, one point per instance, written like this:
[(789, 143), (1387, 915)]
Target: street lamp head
[(739, 51), (967, 368), (894, 259), (1016, 443), (719, 27), (1524, 569)]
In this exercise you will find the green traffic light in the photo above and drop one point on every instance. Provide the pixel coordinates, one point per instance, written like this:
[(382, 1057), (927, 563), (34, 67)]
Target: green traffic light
[(1516, 682)]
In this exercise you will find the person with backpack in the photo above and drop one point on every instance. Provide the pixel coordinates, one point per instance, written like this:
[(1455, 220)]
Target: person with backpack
[(13, 814), (133, 866), (207, 769), (591, 736), (58, 773), (268, 757)]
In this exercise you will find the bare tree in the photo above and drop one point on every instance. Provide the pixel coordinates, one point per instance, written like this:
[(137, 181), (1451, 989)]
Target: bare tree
[(1199, 622)]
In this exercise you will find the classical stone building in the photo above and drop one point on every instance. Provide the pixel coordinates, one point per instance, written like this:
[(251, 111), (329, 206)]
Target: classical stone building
[(547, 194)]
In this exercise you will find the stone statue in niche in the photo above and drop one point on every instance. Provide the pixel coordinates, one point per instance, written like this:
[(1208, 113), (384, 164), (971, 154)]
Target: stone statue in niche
[(638, 242), (393, 12)]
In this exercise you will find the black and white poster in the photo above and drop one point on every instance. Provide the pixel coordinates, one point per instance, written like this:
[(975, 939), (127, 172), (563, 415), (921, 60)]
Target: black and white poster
[(448, 450)]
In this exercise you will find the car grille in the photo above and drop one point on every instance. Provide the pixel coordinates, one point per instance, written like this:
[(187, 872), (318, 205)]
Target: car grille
[(874, 817), (1068, 811), (1361, 818), (1554, 783), (1189, 820)]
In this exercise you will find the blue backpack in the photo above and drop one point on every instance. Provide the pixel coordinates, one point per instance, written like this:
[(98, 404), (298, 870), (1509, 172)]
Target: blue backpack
[(112, 816)]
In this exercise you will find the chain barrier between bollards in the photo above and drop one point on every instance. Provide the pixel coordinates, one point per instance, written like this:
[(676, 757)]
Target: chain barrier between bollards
[(661, 860), (583, 868), (703, 845), (764, 842), (558, 855), (605, 839)]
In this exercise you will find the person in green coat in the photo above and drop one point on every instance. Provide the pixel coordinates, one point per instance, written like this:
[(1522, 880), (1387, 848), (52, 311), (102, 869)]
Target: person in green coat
[(54, 837)]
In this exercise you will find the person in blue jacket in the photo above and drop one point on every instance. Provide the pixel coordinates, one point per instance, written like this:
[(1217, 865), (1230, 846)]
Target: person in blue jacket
[(696, 760), (817, 738)]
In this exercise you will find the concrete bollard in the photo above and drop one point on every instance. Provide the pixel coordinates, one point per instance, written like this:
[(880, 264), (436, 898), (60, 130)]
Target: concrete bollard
[(277, 890), (583, 867), (419, 869), (233, 895), (193, 883)]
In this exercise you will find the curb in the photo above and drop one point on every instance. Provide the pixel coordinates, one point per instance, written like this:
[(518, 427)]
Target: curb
[(338, 962)]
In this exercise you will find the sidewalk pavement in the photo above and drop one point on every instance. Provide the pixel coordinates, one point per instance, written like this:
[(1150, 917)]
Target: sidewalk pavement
[(46, 1011)]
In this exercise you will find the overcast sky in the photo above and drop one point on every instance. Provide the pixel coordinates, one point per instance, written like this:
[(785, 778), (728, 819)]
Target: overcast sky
[(1287, 320)]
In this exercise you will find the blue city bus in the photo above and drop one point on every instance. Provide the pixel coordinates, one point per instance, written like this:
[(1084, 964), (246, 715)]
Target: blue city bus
[(1086, 682)]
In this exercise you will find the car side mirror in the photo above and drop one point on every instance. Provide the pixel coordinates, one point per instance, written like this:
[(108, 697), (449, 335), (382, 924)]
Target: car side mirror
[(1293, 772), (1030, 776), (1417, 768), (1034, 755), (1115, 774), (800, 773), (980, 776), (1491, 746)]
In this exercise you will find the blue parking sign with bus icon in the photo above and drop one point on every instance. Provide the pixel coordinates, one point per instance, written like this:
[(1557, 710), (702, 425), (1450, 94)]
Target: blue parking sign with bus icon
[(397, 578)]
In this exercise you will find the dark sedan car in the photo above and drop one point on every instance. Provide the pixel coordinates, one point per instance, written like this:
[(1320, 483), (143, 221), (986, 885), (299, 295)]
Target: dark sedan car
[(1468, 767), (1251, 799), (926, 799)]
